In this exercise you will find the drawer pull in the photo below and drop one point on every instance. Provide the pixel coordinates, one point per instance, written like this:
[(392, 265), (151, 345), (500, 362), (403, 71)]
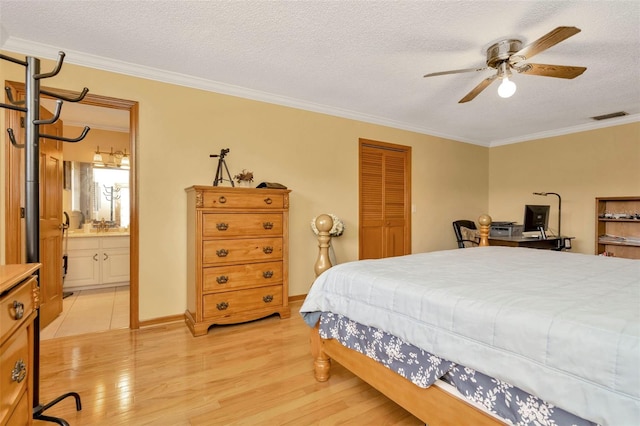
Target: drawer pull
[(222, 226), (19, 372), (267, 225), (267, 250), (222, 306), (267, 274), (19, 308), (268, 200), (106, 256), (222, 279), (95, 257), (222, 253), (222, 199), (267, 299)]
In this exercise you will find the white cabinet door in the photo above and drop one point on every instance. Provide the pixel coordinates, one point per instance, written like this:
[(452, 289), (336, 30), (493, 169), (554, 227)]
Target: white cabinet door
[(83, 264), (83, 268), (115, 265), (115, 260)]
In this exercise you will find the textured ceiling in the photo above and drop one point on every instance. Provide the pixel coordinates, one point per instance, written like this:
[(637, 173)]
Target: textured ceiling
[(357, 59)]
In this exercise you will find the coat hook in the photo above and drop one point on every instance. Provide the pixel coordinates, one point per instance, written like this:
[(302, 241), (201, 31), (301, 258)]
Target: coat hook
[(66, 98), (60, 138), (13, 107), (14, 60), (55, 117), (13, 102), (55, 71), (12, 138), (7, 90)]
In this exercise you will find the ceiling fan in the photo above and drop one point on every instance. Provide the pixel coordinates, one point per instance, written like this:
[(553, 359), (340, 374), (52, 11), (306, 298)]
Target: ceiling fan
[(507, 55)]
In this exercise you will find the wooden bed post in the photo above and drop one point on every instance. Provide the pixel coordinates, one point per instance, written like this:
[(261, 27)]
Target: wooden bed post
[(324, 223), (321, 362), (485, 224)]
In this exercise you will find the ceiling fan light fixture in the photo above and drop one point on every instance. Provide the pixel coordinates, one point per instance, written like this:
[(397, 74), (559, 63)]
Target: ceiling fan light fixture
[(509, 54), (507, 88)]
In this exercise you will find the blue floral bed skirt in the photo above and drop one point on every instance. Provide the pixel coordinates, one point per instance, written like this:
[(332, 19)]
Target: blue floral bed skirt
[(423, 369)]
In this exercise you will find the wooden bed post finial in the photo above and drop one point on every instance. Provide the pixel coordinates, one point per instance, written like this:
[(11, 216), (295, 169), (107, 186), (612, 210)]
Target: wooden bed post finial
[(324, 223), (485, 224)]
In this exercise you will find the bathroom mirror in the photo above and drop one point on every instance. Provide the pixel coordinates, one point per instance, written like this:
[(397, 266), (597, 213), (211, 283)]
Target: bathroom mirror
[(97, 193)]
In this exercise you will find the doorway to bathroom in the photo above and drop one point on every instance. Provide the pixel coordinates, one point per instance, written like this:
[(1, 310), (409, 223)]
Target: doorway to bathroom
[(91, 105)]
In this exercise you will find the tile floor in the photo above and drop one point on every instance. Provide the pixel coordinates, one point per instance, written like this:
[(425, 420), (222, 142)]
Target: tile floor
[(91, 311)]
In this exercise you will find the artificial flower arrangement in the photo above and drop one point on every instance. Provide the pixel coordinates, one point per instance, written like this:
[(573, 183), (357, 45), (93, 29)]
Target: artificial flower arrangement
[(336, 230), (244, 176)]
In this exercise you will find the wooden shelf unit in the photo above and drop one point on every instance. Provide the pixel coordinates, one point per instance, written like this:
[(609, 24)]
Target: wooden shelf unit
[(618, 227)]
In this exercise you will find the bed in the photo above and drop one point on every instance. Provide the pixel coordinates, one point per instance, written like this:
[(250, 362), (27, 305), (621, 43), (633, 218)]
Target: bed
[(555, 335)]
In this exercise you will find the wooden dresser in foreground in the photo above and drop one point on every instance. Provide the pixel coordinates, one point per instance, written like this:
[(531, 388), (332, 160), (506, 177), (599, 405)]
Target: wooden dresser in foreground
[(237, 255), (18, 303)]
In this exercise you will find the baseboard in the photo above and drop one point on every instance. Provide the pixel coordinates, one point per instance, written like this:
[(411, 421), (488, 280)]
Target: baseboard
[(296, 298), (162, 320)]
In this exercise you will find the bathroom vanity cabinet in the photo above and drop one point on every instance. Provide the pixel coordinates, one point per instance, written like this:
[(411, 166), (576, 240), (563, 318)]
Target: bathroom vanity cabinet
[(97, 260)]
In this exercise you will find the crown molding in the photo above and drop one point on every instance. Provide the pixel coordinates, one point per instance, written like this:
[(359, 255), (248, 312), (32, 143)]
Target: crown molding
[(633, 118), (26, 47), (3, 35)]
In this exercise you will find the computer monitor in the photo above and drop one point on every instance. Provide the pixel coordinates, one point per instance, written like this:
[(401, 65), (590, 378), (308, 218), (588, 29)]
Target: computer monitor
[(536, 218)]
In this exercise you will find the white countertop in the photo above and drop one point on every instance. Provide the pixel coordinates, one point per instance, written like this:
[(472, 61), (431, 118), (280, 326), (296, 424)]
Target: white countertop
[(81, 234)]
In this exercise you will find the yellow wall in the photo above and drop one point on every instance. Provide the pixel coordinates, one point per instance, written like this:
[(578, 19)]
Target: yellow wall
[(315, 155), (579, 167)]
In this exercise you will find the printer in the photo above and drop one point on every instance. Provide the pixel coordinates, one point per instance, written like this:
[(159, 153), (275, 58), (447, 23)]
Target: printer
[(505, 229)]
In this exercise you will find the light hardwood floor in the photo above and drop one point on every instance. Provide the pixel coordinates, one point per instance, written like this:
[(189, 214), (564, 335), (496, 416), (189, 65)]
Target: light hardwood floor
[(257, 373)]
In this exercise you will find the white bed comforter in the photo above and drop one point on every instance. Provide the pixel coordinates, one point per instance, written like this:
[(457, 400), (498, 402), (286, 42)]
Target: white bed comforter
[(562, 326)]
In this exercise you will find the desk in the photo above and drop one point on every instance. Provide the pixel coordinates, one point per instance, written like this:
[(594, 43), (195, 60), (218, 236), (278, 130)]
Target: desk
[(551, 243)]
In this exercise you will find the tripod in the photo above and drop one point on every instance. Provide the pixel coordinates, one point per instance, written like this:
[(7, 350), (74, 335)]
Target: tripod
[(221, 163)]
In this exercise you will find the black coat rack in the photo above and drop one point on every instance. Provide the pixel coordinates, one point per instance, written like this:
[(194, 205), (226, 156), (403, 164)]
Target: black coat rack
[(31, 107)]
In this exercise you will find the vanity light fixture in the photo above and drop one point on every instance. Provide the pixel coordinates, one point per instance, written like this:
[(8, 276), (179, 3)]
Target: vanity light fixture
[(116, 158)]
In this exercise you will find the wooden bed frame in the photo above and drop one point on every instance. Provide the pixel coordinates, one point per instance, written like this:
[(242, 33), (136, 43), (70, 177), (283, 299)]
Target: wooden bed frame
[(432, 405)]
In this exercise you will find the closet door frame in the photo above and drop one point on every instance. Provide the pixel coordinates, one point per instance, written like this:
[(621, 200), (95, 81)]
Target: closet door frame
[(385, 231)]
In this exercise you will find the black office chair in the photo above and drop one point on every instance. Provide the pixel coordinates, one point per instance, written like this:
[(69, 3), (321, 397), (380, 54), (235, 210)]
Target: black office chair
[(463, 236)]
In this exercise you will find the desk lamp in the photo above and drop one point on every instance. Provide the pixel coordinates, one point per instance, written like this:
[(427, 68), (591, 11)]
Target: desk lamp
[(559, 206)]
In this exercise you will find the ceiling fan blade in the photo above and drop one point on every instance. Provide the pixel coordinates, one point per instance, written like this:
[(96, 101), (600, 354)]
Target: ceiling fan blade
[(433, 74), (558, 71), (479, 88), (543, 43)]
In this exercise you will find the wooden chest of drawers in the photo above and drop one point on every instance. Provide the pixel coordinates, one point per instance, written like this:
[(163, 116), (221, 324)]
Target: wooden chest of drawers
[(18, 298), (237, 255)]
